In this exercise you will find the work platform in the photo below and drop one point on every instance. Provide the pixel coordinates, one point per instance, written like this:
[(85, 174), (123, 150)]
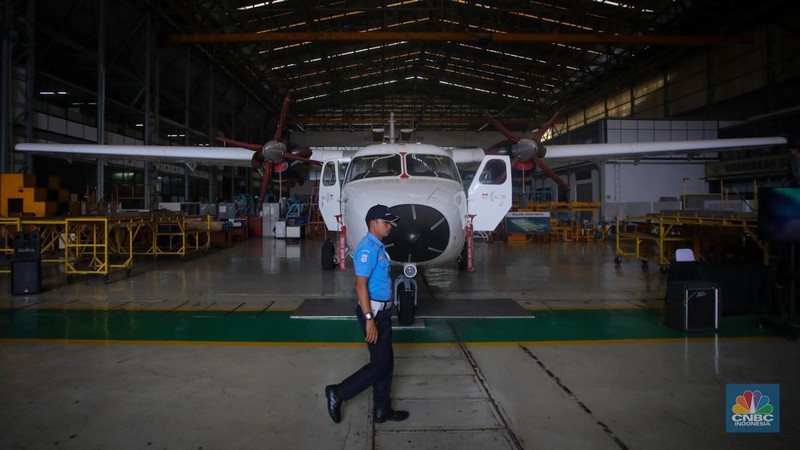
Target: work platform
[(94, 245), (654, 238)]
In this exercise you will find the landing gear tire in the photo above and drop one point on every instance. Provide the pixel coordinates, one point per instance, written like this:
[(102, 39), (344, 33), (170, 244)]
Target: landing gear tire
[(462, 258), (328, 252), (405, 306)]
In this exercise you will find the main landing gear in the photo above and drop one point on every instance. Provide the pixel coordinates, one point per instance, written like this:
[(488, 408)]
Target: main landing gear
[(328, 255)]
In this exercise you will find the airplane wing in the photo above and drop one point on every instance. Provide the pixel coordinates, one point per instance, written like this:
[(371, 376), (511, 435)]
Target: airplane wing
[(229, 156), (237, 156), (463, 156), (638, 149)]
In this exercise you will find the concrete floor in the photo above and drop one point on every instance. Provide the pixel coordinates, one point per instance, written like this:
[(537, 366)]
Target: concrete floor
[(192, 371)]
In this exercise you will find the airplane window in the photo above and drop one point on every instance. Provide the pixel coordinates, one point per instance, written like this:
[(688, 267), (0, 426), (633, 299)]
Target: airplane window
[(420, 165), (373, 166), (494, 172), (329, 176)]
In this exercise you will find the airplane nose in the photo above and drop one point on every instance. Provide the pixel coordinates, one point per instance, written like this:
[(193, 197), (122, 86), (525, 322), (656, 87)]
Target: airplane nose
[(421, 235)]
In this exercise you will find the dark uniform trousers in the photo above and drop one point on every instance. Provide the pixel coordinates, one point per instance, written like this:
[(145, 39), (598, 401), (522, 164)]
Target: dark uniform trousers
[(378, 372)]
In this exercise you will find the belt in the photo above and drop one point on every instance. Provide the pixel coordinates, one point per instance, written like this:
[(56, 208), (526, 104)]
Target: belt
[(378, 306)]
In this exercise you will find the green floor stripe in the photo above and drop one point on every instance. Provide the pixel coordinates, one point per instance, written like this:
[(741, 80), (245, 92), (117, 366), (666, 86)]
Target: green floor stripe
[(250, 326)]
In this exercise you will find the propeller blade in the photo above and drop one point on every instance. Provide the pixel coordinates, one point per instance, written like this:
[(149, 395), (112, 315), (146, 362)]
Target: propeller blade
[(546, 169), (300, 158), (502, 129), (537, 135), (282, 121), (254, 147), (265, 180)]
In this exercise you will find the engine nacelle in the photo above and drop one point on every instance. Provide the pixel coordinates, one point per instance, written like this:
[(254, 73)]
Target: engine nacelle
[(526, 149), (273, 151)]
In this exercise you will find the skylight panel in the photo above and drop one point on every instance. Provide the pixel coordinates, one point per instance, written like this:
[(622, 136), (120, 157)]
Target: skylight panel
[(313, 97), (614, 4), (498, 52), (259, 5), (485, 91), (472, 26), (367, 86)]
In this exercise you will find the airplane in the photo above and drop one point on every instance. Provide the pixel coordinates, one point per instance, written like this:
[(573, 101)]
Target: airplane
[(420, 183)]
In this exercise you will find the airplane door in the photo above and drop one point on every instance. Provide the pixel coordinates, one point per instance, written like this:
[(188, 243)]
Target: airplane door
[(489, 194), (330, 192)]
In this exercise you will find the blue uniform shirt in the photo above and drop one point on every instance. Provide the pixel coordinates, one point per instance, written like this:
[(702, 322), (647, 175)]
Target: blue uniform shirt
[(371, 261)]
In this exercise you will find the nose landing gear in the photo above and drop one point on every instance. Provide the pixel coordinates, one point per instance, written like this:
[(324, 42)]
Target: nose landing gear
[(405, 298)]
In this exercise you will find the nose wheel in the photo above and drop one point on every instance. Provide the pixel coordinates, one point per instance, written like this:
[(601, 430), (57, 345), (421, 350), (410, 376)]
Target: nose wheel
[(405, 298)]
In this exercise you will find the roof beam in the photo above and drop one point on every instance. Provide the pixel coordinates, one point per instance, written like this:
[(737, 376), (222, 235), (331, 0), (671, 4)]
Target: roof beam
[(480, 38)]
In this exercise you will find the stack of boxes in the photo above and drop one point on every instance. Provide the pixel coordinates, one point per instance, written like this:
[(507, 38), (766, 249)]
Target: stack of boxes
[(20, 195)]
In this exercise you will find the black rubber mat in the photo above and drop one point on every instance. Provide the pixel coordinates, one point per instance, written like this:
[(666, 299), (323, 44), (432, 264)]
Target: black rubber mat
[(342, 308)]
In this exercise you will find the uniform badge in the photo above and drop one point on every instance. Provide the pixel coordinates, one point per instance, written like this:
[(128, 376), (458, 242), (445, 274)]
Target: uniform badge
[(364, 257)]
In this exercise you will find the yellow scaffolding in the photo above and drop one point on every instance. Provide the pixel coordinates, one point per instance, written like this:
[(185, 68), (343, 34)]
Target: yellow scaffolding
[(101, 245), (51, 234), (656, 237), (86, 251), (648, 239), (9, 226), (176, 234)]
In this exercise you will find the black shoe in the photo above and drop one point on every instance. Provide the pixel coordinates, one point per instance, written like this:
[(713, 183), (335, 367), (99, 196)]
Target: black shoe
[(334, 403), (382, 415)]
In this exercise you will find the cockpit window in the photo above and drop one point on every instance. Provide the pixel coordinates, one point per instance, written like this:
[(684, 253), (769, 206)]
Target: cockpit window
[(417, 165), (420, 165), (374, 166)]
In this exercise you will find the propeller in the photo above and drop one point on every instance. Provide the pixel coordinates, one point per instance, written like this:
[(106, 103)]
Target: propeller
[(271, 157), (527, 153)]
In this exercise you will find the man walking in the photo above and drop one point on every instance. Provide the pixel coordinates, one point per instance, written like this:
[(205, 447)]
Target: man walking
[(374, 291)]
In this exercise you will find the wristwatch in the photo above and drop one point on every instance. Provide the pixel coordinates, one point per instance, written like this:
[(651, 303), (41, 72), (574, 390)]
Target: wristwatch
[(369, 316)]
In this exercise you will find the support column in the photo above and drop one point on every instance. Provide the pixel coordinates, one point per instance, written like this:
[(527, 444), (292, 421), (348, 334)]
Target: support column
[(187, 96), (101, 92), (5, 86), (186, 130), (212, 181), (30, 79), (149, 196), (212, 192)]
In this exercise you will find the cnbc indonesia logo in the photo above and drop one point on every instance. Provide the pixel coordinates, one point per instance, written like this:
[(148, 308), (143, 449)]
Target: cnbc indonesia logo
[(752, 410)]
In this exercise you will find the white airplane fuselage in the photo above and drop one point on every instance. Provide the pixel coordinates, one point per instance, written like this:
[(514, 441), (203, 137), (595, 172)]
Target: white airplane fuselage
[(441, 236)]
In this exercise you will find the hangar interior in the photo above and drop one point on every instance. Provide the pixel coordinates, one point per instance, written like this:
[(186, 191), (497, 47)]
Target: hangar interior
[(186, 73)]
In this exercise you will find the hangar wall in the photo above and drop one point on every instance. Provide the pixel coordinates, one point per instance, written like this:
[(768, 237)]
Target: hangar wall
[(742, 80)]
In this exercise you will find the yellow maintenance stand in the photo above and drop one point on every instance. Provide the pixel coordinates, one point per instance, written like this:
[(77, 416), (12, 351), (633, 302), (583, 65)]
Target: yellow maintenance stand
[(654, 238)]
